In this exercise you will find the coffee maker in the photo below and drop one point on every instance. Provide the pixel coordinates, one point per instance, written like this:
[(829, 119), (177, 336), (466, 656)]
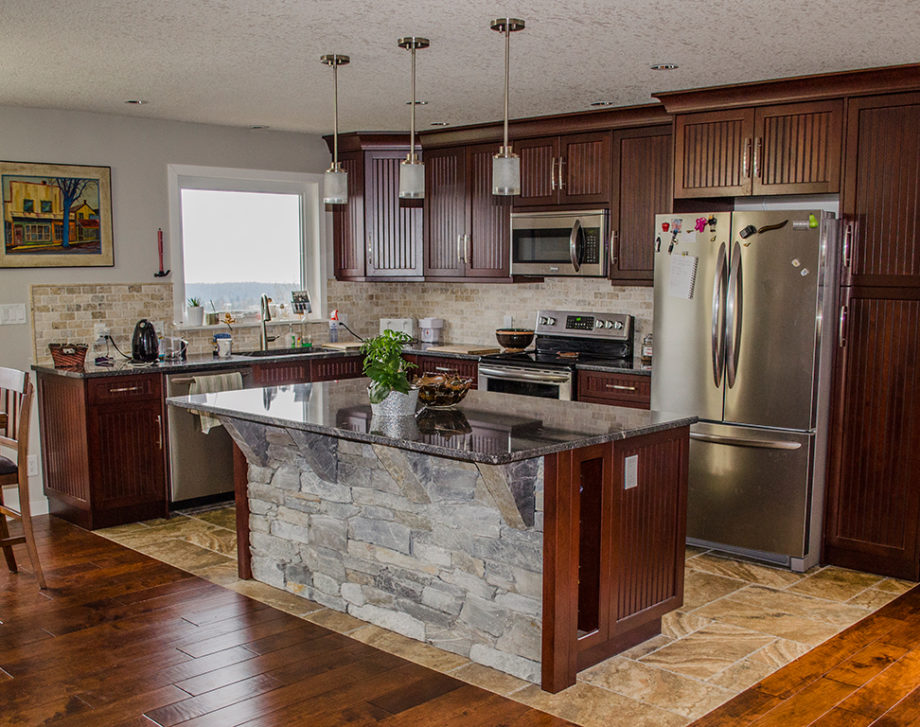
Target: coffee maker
[(144, 345)]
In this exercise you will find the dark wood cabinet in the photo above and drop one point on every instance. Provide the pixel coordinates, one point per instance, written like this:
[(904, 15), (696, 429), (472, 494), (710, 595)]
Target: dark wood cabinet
[(328, 369), (348, 222), (602, 387), (302, 371), (104, 448), (467, 228), (468, 368), (881, 191), (641, 173), (781, 149), (564, 170)]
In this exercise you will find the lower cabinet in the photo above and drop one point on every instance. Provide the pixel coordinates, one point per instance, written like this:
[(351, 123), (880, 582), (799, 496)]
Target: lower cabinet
[(283, 373), (468, 368), (104, 448), (601, 387)]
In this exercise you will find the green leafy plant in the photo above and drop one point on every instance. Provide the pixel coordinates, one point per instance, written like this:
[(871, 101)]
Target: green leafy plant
[(385, 366), (194, 302)]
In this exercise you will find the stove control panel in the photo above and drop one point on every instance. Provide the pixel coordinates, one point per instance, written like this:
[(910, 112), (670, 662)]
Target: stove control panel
[(607, 326)]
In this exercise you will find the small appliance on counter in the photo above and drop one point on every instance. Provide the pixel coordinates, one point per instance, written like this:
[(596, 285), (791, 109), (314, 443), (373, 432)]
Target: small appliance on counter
[(431, 330), (400, 325), (174, 348), (144, 345)]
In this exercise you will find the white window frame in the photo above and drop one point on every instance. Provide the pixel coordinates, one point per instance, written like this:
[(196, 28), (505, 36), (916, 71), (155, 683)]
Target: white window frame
[(314, 258)]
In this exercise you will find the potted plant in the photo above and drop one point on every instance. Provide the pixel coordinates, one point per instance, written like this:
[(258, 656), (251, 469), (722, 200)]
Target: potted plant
[(194, 312), (389, 391)]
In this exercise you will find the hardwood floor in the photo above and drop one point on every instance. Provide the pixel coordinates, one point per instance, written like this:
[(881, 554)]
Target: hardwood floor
[(120, 640)]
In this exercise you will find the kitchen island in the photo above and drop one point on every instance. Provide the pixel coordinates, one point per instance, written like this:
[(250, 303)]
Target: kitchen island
[(535, 536)]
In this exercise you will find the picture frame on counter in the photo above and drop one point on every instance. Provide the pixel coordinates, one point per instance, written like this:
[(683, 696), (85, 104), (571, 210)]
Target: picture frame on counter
[(36, 200)]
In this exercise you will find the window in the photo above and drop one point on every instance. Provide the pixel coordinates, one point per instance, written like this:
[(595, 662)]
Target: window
[(240, 234), (28, 205), (46, 206)]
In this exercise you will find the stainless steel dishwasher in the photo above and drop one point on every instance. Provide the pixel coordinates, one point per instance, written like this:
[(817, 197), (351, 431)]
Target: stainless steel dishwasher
[(200, 465)]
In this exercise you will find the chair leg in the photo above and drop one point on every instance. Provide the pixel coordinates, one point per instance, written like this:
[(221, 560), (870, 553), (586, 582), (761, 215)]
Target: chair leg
[(25, 509), (5, 533)]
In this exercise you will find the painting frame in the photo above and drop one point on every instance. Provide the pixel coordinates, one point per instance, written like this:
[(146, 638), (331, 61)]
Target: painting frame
[(34, 198)]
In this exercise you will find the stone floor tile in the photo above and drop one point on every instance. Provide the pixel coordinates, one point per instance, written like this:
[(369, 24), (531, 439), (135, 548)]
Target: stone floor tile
[(894, 585), (491, 679), (744, 570), (701, 588), (224, 574), (872, 598), (224, 517), (410, 649), (277, 598), (335, 620), (647, 646), (217, 539), (835, 584), (750, 670), (184, 555), (677, 624)]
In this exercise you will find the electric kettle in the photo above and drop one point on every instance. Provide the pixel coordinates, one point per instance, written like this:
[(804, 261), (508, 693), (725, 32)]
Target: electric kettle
[(144, 346)]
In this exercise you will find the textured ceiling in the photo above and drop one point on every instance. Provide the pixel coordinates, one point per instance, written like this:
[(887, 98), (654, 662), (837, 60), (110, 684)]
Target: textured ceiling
[(244, 62)]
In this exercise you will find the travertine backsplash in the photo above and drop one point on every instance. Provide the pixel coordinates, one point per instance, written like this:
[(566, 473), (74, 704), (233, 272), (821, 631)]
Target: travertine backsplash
[(471, 311)]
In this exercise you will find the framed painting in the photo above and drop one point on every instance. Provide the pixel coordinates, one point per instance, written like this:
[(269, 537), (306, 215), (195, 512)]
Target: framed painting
[(56, 215)]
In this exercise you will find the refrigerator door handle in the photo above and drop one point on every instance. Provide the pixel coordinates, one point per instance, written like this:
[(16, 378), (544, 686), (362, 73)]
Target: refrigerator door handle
[(718, 339), (574, 247), (743, 442), (733, 315)]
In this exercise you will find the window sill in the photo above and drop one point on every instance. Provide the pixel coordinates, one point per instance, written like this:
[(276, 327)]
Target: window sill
[(250, 324)]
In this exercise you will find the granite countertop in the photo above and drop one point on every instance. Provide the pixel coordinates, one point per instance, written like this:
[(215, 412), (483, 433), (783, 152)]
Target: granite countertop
[(485, 427)]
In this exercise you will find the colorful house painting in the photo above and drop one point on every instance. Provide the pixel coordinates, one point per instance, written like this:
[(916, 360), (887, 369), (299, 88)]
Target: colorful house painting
[(34, 211)]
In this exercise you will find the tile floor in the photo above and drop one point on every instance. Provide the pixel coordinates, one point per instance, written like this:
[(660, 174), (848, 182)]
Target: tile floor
[(740, 621)]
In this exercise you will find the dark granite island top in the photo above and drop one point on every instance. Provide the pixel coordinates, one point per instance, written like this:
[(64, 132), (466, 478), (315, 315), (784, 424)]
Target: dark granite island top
[(533, 536)]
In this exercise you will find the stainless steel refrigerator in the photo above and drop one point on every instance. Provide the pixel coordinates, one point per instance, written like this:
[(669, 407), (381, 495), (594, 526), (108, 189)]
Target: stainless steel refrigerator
[(740, 302)]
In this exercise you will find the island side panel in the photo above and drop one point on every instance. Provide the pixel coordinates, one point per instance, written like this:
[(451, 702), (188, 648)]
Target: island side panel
[(241, 498), (443, 551)]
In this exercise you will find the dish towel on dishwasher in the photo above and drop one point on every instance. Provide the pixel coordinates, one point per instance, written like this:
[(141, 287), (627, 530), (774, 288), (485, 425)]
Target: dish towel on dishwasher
[(212, 384)]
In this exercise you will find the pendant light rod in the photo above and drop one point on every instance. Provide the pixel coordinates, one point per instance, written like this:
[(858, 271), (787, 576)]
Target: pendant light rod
[(411, 43), (507, 26), (334, 61)]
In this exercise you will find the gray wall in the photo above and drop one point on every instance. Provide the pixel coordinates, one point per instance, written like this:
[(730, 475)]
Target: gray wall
[(138, 151)]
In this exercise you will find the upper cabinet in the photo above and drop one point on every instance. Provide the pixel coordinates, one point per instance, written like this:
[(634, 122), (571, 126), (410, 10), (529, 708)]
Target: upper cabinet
[(881, 195), (375, 235), (564, 170), (467, 228), (781, 149)]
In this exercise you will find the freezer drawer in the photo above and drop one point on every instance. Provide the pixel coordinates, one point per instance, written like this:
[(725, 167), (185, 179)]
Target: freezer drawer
[(750, 488)]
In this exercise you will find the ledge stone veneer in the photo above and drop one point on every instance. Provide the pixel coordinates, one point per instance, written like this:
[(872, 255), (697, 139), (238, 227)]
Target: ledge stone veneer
[(446, 552)]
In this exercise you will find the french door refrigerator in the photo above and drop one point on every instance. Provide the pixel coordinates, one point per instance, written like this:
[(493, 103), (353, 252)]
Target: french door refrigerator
[(741, 300)]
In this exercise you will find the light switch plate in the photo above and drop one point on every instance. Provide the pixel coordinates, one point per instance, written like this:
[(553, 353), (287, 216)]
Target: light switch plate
[(12, 314), (32, 465), (631, 472)]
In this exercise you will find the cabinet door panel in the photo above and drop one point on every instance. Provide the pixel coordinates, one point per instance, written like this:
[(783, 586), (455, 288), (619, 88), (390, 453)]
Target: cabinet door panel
[(445, 211), (348, 222), (281, 374), (489, 254), (797, 148), (586, 169), (539, 172), (601, 387), (873, 506), (882, 190), (712, 153), (642, 169), (393, 231), (462, 366), (347, 367)]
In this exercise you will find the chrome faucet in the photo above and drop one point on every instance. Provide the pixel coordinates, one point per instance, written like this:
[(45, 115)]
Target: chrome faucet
[(264, 316)]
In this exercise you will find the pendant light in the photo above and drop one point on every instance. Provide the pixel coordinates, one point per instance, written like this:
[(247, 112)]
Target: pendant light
[(412, 171), (335, 180), (506, 165)]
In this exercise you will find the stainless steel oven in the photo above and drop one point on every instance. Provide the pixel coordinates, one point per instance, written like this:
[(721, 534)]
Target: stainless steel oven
[(552, 383), (559, 243)]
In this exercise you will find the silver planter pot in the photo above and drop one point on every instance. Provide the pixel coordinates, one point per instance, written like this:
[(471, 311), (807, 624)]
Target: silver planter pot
[(397, 404)]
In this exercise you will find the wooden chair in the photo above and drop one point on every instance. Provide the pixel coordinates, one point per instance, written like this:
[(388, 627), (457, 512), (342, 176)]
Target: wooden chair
[(16, 405)]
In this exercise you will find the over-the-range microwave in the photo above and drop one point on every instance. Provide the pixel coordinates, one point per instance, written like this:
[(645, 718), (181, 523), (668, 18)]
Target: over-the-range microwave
[(559, 243)]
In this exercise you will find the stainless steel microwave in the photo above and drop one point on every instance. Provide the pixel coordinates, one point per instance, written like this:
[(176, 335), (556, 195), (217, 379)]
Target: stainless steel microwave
[(559, 243)]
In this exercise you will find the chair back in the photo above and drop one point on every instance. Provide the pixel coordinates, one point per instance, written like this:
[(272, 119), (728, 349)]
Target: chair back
[(16, 402)]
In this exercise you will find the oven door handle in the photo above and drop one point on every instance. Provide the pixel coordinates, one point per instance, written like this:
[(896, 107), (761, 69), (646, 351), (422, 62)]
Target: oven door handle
[(515, 375), (574, 247)]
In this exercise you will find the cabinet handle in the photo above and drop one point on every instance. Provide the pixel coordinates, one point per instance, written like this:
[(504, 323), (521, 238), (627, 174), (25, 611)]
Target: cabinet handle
[(552, 175), (847, 243), (842, 326), (370, 255), (561, 176), (466, 251), (620, 387), (614, 247), (122, 389), (159, 431), (459, 248), (445, 369), (758, 147), (746, 160)]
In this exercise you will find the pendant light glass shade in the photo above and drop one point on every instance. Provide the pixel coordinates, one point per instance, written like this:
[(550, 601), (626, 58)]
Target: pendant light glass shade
[(412, 171), (506, 165), (335, 180)]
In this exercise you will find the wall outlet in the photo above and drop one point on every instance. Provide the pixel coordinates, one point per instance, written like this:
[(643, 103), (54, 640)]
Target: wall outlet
[(100, 330), (508, 321), (32, 464)]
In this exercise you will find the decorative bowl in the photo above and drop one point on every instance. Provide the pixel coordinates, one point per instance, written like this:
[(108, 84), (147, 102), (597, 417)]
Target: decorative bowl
[(442, 389), (514, 337)]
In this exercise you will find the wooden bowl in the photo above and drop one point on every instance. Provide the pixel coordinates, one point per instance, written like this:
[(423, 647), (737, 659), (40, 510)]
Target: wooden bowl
[(514, 337)]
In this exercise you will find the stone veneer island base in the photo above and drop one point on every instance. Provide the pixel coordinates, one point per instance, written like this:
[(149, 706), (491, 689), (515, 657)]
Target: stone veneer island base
[(536, 537)]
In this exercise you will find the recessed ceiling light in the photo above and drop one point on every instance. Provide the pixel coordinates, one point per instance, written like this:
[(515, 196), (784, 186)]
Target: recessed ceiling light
[(601, 104), (664, 66), (256, 127), (417, 103), (440, 123), (136, 101)]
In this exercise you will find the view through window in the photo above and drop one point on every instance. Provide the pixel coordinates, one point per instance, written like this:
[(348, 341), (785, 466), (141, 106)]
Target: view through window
[(239, 245)]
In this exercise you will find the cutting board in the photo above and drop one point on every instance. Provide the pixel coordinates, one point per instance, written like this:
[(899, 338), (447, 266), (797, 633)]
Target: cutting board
[(343, 345), (466, 348)]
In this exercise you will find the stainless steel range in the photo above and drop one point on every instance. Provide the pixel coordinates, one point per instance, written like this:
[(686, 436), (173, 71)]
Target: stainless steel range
[(563, 340)]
